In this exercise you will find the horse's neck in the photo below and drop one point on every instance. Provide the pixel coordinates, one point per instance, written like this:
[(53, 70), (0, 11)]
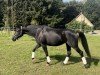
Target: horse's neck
[(31, 32), (34, 32)]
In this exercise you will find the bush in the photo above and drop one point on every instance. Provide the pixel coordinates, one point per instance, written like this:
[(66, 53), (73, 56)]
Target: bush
[(78, 26), (1, 25)]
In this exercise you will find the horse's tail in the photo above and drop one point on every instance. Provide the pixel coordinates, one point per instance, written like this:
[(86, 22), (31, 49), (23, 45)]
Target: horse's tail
[(84, 43)]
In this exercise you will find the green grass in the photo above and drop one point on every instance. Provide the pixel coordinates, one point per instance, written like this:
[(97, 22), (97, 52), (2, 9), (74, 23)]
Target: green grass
[(15, 58)]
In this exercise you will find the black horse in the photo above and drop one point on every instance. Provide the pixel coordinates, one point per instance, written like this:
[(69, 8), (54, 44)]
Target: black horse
[(45, 35)]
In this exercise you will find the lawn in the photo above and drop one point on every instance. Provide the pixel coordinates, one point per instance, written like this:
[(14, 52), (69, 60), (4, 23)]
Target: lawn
[(15, 58)]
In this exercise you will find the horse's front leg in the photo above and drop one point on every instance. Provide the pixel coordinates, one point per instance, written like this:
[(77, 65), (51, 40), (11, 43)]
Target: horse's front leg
[(68, 54), (34, 49), (46, 53)]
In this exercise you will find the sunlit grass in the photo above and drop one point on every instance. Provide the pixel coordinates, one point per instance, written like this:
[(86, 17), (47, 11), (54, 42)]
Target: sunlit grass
[(15, 58)]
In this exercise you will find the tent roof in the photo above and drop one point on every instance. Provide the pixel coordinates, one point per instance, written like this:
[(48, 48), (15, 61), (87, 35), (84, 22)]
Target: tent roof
[(82, 18)]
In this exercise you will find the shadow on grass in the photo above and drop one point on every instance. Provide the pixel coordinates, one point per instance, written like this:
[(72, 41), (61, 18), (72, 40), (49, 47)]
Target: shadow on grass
[(94, 60), (73, 59)]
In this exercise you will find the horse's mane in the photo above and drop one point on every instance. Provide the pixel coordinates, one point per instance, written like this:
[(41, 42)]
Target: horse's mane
[(48, 28), (37, 26)]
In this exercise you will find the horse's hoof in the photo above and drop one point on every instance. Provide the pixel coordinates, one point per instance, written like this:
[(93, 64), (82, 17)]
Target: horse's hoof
[(87, 66), (48, 64), (65, 63), (32, 59)]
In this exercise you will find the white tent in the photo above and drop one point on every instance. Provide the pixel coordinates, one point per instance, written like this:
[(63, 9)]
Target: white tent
[(82, 18)]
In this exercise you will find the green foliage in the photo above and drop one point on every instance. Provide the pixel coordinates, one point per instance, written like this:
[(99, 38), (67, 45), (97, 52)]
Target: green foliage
[(53, 13), (48, 12), (1, 14), (92, 11), (1, 24), (44, 12), (77, 5), (78, 26)]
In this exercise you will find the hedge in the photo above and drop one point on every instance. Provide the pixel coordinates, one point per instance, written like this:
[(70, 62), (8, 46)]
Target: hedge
[(79, 26)]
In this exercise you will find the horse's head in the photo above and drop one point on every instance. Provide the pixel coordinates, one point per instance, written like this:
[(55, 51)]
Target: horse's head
[(18, 33)]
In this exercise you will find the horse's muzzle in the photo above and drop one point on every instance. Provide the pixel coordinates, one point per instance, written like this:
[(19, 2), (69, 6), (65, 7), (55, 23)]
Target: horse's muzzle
[(13, 39)]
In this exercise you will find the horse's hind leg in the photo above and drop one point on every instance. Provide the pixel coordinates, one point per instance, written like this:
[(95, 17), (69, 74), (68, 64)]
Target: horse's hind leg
[(34, 49), (46, 53), (82, 56), (68, 54)]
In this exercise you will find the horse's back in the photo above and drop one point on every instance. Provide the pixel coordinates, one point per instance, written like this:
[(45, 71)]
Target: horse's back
[(51, 37)]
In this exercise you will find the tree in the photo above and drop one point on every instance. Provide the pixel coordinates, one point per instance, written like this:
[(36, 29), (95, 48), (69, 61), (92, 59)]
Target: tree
[(53, 13), (75, 25), (92, 11), (45, 12), (1, 13)]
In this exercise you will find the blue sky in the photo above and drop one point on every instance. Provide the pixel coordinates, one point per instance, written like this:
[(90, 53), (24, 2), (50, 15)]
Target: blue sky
[(70, 0)]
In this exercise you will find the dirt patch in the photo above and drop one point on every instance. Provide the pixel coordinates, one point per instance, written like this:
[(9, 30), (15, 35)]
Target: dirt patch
[(95, 32)]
